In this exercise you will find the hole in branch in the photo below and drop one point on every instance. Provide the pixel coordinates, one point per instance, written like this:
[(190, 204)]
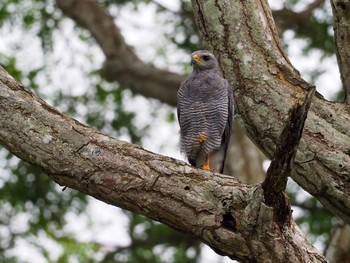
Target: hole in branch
[(229, 222), (187, 188)]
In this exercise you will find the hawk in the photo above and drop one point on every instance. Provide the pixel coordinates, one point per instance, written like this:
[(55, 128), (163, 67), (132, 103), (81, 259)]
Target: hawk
[(205, 112)]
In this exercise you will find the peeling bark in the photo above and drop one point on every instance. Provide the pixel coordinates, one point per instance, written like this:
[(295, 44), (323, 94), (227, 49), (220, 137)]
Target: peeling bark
[(227, 215), (242, 34)]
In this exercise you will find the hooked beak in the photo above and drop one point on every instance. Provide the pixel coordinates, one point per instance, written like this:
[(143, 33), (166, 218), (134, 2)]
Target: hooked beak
[(196, 60)]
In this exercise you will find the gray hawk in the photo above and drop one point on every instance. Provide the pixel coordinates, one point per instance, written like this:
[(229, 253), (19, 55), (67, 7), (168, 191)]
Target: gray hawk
[(205, 113)]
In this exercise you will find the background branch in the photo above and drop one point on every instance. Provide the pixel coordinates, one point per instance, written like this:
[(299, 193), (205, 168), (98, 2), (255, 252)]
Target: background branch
[(338, 248), (341, 25), (299, 21), (121, 63)]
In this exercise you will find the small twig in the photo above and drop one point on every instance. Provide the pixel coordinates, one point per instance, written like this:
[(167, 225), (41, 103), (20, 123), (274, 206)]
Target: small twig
[(281, 164)]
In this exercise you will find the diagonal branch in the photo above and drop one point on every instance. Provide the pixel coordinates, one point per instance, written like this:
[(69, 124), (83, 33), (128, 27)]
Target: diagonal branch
[(229, 216), (341, 25), (121, 63), (282, 161)]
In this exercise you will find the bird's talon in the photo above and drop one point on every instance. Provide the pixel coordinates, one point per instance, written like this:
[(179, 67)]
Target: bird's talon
[(207, 168)]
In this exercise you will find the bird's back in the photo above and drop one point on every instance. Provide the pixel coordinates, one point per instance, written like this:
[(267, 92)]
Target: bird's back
[(203, 112)]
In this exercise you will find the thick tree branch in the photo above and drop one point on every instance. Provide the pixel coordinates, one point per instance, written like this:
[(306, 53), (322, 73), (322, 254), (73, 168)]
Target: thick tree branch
[(121, 63), (341, 12), (220, 211), (242, 34)]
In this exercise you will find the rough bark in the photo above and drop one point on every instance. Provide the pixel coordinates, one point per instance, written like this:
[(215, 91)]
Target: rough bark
[(229, 216), (242, 34), (341, 24)]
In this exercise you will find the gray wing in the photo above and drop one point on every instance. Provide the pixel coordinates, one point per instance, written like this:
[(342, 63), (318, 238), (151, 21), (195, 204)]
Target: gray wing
[(181, 97), (228, 129)]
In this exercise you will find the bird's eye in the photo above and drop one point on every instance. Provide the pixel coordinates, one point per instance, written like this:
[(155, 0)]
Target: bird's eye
[(206, 57)]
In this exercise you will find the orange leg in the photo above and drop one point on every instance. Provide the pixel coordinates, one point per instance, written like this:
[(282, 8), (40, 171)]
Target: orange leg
[(206, 165)]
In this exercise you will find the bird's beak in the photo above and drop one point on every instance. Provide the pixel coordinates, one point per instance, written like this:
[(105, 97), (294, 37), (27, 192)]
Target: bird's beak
[(196, 60)]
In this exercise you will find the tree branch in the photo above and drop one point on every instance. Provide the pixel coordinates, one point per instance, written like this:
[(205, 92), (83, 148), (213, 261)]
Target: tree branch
[(121, 63), (220, 211), (341, 25), (243, 36), (281, 164), (300, 21)]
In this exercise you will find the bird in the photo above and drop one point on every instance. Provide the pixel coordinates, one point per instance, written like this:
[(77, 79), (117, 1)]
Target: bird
[(205, 110)]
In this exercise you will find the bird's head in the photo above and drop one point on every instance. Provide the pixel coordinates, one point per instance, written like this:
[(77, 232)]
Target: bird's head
[(203, 59)]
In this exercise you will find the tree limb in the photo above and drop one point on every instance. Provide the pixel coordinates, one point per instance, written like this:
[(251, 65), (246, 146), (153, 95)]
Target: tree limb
[(220, 211), (121, 63), (266, 86), (341, 25), (299, 21)]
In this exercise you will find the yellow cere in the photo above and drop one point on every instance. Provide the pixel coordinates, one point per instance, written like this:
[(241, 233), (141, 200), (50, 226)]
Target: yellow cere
[(196, 58)]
